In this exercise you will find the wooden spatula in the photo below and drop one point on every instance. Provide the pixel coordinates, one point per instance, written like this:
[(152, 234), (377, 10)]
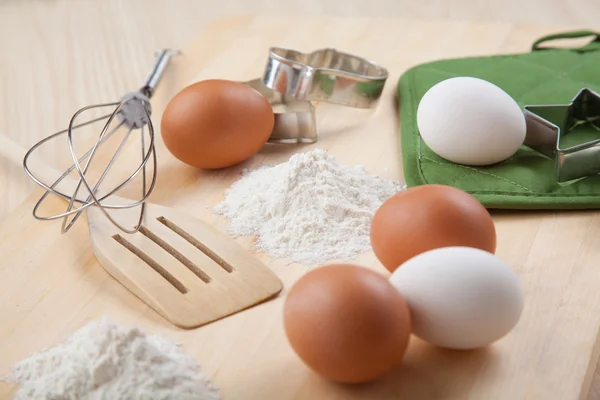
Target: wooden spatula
[(183, 268)]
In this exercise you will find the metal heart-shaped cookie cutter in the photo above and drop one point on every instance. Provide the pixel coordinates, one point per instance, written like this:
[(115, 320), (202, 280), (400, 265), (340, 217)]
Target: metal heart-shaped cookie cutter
[(292, 80), (547, 124), (295, 120)]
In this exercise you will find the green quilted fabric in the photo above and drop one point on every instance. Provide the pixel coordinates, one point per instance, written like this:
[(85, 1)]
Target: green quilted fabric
[(527, 179)]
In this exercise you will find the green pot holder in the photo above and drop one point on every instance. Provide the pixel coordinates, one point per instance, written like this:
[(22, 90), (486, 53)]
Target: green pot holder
[(526, 180)]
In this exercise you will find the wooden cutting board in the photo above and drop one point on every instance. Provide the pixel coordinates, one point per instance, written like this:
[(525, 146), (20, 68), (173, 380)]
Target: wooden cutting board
[(51, 284)]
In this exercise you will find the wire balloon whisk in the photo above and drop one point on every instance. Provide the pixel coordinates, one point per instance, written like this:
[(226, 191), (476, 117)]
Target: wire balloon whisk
[(132, 112)]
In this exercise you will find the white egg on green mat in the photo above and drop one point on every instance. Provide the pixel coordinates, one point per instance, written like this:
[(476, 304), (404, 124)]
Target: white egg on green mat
[(470, 121), (460, 297)]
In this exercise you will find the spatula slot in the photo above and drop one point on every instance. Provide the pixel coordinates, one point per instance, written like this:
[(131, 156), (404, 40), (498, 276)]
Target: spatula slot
[(153, 264), (197, 244), (172, 251)]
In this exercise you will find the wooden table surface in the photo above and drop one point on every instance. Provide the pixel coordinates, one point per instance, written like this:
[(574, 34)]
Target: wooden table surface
[(57, 56)]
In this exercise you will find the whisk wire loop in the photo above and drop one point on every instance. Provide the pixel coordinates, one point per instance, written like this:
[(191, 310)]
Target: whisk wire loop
[(133, 112)]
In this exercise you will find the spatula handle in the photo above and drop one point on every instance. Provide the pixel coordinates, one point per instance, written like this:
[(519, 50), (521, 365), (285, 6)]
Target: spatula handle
[(15, 153), (11, 150)]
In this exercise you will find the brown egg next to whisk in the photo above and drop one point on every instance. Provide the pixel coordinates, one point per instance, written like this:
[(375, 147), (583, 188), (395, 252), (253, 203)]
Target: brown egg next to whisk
[(216, 123)]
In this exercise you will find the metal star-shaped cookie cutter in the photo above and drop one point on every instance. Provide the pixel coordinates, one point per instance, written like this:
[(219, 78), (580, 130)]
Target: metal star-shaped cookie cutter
[(292, 80), (548, 125)]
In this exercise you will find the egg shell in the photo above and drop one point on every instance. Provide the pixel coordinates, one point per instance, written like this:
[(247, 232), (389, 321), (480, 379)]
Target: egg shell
[(427, 217), (216, 123), (470, 121), (459, 297), (347, 323)]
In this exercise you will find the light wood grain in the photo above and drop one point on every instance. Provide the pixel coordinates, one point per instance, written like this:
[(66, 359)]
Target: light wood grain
[(48, 293), (186, 270), (59, 55), (198, 274)]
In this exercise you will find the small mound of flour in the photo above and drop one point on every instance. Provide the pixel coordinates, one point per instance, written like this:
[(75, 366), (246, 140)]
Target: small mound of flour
[(309, 208), (104, 360)]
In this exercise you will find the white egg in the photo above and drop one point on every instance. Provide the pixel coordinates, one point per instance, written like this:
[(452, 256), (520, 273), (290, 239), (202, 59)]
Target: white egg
[(460, 297), (470, 121)]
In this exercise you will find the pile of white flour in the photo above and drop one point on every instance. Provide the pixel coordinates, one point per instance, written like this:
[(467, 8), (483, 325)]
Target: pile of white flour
[(104, 360), (309, 208)]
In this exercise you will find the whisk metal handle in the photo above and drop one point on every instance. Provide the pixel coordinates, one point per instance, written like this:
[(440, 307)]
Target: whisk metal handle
[(162, 61)]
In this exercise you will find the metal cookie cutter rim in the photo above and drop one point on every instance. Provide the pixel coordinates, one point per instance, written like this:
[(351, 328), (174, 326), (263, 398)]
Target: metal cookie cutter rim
[(544, 134), (295, 120), (325, 75), (292, 80)]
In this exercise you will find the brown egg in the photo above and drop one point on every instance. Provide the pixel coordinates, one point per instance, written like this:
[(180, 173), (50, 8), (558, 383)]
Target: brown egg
[(347, 323), (216, 123), (427, 217)]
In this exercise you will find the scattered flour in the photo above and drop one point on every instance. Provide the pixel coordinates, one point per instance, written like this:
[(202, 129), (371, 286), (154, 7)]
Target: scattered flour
[(309, 208), (106, 361)]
